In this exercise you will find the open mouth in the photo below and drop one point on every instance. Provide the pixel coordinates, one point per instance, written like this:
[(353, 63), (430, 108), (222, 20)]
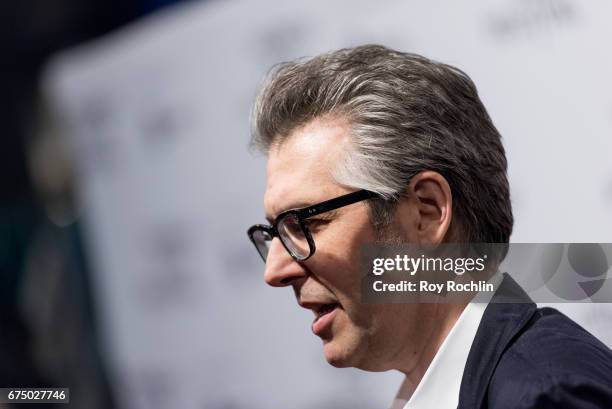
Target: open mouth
[(324, 318), (325, 309)]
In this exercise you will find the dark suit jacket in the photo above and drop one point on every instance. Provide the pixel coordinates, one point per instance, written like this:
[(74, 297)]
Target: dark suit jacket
[(525, 357)]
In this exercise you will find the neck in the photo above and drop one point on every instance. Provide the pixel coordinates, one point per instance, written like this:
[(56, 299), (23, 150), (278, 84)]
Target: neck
[(446, 316)]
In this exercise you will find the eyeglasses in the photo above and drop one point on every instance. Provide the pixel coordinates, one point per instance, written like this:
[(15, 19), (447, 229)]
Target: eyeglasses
[(292, 229)]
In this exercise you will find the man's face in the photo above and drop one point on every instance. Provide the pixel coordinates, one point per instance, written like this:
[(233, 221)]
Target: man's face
[(371, 337)]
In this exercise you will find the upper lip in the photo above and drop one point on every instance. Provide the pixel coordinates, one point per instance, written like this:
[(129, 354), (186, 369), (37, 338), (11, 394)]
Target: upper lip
[(316, 306)]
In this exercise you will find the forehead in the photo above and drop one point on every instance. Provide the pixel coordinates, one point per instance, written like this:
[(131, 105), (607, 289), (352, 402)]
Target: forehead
[(299, 171)]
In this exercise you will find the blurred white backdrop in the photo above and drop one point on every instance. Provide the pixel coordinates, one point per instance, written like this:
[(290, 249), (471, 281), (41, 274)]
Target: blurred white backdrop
[(156, 116)]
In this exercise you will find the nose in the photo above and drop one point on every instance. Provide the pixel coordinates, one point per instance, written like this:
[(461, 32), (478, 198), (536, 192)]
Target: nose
[(281, 269)]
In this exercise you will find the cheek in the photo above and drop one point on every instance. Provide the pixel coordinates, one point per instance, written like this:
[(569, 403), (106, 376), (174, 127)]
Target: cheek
[(335, 275), (338, 256), (340, 273), (337, 264)]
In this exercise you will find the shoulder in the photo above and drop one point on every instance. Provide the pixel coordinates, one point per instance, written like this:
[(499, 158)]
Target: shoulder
[(552, 362)]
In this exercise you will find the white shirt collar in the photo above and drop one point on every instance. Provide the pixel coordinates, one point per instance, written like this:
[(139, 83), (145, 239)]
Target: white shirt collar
[(440, 385)]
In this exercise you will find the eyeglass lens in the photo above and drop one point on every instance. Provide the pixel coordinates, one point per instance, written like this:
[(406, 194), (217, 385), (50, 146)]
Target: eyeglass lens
[(293, 236), (262, 242)]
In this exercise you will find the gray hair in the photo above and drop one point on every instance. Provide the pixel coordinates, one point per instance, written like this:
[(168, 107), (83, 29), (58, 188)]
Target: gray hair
[(407, 114)]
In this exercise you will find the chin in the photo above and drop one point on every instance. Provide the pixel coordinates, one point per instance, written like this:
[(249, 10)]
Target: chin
[(354, 353), (341, 352), (336, 358)]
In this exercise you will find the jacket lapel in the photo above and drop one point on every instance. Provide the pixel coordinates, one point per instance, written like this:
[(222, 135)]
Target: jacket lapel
[(509, 311)]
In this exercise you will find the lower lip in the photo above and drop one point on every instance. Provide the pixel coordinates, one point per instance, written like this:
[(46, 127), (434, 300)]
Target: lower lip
[(322, 323)]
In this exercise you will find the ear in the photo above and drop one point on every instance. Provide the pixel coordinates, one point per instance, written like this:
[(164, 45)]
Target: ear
[(431, 201)]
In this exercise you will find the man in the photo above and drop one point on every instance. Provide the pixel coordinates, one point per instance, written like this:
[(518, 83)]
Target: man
[(370, 145)]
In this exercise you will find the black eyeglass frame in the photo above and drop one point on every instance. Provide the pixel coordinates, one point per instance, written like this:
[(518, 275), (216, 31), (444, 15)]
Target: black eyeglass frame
[(271, 231)]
